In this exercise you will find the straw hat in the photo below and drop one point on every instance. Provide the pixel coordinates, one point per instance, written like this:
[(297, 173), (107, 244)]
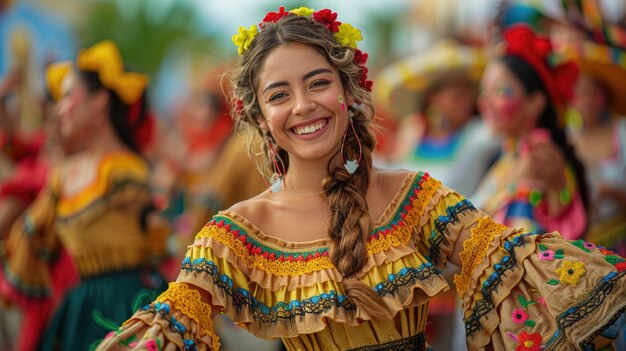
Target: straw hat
[(412, 76), (605, 64)]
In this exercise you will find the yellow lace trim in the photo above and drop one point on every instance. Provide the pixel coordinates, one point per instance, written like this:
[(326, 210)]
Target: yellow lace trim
[(474, 250), (273, 266), (189, 302), (402, 235)]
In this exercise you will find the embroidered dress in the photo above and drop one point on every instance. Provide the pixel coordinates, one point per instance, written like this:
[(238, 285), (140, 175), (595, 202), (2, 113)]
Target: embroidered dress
[(79, 253), (515, 293)]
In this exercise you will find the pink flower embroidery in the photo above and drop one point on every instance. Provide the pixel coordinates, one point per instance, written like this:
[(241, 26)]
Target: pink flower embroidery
[(590, 246), (541, 301), (519, 316), (151, 345), (547, 255)]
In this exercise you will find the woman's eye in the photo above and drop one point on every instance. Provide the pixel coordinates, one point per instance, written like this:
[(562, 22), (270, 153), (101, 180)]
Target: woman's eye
[(505, 91), (276, 96), (320, 83)]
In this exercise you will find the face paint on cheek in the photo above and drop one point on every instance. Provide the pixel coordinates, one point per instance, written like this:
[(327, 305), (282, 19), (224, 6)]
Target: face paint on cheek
[(509, 108), (342, 103), (507, 104)]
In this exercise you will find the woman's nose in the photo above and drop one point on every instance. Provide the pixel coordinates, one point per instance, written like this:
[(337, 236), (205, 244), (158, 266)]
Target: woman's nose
[(303, 104)]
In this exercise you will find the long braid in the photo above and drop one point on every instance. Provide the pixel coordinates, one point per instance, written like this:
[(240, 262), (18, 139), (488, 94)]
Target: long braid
[(350, 223)]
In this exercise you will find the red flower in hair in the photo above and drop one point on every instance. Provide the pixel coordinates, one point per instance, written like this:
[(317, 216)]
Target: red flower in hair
[(327, 18), (565, 76), (522, 39), (275, 16), (360, 58), (558, 81), (238, 106), (367, 85), (362, 79)]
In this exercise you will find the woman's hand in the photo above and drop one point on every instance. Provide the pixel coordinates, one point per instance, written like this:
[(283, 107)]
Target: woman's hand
[(542, 162)]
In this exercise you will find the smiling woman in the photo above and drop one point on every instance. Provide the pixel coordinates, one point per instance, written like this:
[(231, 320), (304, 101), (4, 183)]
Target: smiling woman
[(338, 255)]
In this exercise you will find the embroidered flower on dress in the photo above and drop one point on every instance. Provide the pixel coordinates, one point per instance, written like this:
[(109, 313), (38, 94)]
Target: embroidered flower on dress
[(581, 244), (528, 342), (519, 316), (547, 255), (588, 245), (606, 251), (541, 301), (151, 345), (570, 272), (621, 266)]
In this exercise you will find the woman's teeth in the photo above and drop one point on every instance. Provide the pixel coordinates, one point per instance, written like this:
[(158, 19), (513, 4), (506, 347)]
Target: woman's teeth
[(309, 129)]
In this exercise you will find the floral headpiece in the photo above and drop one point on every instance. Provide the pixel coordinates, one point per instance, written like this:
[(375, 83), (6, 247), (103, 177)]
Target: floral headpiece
[(344, 33), (559, 81), (105, 59)]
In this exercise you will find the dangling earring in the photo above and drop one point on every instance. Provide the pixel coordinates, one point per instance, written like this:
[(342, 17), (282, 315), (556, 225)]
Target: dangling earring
[(351, 165), (278, 179)]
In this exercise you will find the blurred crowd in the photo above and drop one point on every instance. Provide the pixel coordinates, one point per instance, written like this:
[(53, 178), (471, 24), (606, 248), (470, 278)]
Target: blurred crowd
[(100, 196)]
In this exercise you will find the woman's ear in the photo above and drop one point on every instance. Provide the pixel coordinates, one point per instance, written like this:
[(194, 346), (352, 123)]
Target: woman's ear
[(349, 98)]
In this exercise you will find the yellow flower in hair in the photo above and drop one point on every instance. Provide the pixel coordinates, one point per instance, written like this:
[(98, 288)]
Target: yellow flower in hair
[(570, 272), (244, 37), (348, 35), (104, 58), (303, 11), (55, 74)]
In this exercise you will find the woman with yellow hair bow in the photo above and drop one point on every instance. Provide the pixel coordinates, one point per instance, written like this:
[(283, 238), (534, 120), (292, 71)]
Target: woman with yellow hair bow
[(83, 245)]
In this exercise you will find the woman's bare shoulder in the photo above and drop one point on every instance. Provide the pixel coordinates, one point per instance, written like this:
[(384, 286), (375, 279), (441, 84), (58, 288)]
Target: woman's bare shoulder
[(256, 210), (387, 181)]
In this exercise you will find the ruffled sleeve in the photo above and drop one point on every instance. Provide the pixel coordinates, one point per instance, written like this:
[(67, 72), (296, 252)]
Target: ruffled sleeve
[(528, 291), (33, 251), (525, 291), (177, 320), (538, 290)]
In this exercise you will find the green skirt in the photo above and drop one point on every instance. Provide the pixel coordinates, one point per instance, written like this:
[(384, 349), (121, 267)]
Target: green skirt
[(73, 326)]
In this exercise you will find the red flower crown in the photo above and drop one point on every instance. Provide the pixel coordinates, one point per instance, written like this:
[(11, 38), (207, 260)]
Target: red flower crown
[(559, 81), (344, 33)]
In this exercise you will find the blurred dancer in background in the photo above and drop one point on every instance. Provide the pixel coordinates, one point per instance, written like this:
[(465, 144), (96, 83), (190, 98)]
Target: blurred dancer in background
[(83, 245), (538, 183)]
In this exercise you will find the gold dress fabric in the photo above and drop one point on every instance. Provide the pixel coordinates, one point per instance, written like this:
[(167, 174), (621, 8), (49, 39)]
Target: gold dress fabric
[(520, 291)]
